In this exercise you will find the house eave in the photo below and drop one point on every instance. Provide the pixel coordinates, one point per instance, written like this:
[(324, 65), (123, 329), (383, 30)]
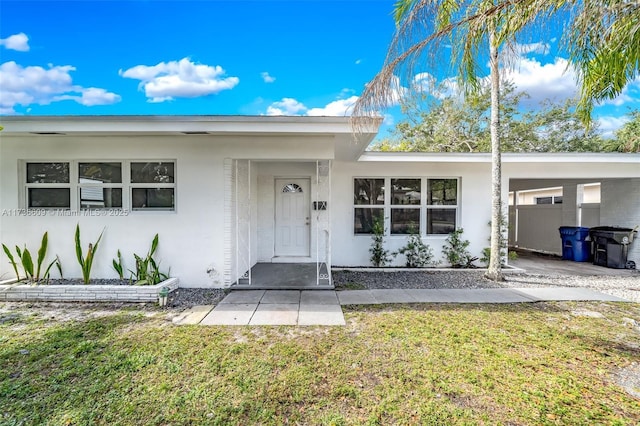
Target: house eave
[(175, 125), (461, 157)]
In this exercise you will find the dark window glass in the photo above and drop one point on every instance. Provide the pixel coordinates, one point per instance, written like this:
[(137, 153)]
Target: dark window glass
[(47, 172), (557, 199), (291, 187), (100, 172), (156, 172), (49, 197), (99, 198), (405, 191), (364, 219), (152, 198), (441, 221), (544, 200), (405, 221), (368, 191), (442, 192)]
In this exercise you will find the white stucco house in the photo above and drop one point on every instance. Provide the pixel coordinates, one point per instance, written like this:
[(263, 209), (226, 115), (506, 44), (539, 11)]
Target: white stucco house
[(229, 193)]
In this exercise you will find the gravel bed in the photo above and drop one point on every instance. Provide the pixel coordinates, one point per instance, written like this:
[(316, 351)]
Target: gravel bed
[(627, 287), (411, 279), (188, 297)]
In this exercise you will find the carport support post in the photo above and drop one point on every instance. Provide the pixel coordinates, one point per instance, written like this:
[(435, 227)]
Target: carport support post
[(570, 204)]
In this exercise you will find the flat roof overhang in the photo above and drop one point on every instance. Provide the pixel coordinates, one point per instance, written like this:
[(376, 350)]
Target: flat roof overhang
[(348, 145), (485, 157)]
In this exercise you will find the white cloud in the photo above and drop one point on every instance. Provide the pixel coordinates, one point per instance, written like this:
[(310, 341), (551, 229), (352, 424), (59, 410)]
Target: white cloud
[(19, 42), (180, 79), (267, 78), (339, 108), (287, 106), (608, 125), (358, 61), (37, 85), (90, 96), (555, 81)]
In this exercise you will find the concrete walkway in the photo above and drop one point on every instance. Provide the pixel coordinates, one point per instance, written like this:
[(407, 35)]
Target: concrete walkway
[(323, 307)]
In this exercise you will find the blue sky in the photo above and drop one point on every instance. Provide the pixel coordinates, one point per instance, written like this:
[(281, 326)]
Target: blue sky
[(303, 57)]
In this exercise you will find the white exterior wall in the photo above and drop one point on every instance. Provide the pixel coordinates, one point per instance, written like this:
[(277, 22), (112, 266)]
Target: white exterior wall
[(620, 206), (191, 238), (474, 213)]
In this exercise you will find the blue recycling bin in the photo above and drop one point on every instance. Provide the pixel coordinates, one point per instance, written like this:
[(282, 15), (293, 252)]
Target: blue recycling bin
[(574, 244)]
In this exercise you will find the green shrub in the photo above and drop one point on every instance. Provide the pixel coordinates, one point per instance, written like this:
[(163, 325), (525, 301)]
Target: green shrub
[(417, 254), (379, 255), (455, 251)]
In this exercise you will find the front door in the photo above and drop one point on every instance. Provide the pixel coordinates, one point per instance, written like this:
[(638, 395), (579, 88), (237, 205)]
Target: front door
[(293, 227)]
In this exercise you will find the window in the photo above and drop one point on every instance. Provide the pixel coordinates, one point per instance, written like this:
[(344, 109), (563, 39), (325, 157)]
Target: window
[(153, 186), (291, 187), (48, 185), (405, 206), (368, 196), (553, 199), (442, 202), (100, 185), (85, 185), (411, 205)]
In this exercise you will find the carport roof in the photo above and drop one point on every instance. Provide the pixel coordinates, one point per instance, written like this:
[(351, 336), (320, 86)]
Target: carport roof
[(485, 157)]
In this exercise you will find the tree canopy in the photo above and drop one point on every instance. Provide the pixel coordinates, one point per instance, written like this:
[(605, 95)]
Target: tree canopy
[(459, 123)]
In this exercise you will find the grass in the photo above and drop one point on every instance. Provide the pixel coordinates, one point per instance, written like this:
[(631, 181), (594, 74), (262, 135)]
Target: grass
[(410, 364)]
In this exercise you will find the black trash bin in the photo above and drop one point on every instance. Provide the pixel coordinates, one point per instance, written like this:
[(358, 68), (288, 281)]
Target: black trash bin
[(574, 244), (611, 245)]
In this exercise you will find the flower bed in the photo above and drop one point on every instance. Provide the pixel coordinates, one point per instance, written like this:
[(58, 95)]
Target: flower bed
[(15, 291)]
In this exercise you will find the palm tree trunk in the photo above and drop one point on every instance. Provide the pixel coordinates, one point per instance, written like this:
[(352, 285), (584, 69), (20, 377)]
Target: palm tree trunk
[(495, 265)]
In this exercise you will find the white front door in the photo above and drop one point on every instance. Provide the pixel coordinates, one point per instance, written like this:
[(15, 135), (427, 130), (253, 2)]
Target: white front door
[(293, 227)]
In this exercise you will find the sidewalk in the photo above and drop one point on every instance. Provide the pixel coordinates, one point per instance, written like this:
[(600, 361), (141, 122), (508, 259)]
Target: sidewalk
[(323, 307)]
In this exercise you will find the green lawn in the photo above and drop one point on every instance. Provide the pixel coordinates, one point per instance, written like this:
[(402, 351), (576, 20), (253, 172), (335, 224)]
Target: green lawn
[(408, 364)]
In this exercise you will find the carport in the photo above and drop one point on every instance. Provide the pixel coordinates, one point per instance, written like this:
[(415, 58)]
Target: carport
[(547, 191)]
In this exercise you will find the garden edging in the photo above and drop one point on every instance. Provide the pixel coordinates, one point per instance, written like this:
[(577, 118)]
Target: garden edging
[(84, 293)]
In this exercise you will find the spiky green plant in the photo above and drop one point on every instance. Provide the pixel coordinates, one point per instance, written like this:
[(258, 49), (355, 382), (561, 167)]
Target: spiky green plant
[(86, 262), (147, 269), (12, 261), (118, 265), (32, 271)]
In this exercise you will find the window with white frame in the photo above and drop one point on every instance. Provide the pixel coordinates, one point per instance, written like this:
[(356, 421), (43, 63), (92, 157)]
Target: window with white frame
[(153, 185), (100, 185), (84, 185), (442, 205), (405, 206), (48, 185), (427, 206), (368, 197)]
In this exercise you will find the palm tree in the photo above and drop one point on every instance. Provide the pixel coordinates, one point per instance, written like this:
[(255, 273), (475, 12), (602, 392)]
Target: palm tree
[(603, 44)]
